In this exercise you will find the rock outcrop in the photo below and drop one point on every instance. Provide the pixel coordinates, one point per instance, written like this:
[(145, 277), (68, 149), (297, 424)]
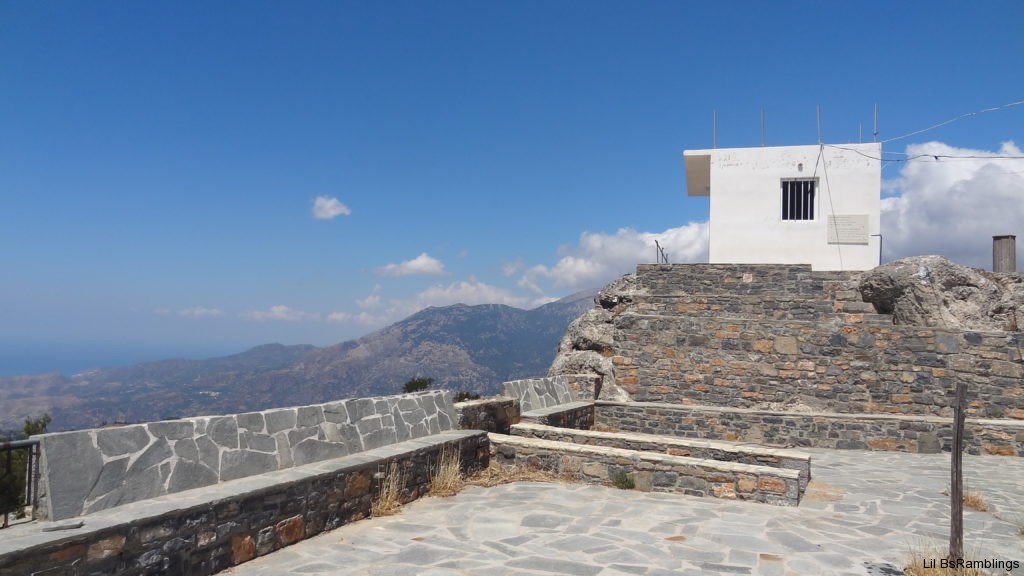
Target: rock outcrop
[(933, 291), (587, 345)]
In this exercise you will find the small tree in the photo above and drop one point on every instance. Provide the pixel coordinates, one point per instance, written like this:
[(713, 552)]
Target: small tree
[(417, 385)]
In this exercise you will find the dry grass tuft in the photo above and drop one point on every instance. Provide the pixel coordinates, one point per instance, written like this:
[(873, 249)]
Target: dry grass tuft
[(447, 479), (389, 496), (975, 501), (496, 474)]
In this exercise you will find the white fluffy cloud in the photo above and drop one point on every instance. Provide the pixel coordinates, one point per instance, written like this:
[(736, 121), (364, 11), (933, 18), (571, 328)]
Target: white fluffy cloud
[(599, 257), (423, 265), (280, 312), (328, 208), (953, 206)]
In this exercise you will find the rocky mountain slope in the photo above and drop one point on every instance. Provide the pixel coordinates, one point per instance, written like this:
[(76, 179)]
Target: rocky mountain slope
[(471, 348)]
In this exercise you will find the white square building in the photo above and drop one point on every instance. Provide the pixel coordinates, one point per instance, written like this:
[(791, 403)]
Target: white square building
[(816, 205)]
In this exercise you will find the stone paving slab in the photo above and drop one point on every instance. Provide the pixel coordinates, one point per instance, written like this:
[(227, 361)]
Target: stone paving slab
[(862, 514)]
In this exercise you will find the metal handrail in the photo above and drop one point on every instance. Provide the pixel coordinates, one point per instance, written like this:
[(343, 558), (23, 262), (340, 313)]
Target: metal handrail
[(30, 491)]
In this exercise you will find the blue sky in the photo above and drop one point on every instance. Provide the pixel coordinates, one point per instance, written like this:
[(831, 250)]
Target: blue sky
[(160, 162)]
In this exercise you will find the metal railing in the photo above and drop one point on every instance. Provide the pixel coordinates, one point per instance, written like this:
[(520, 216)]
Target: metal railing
[(19, 478)]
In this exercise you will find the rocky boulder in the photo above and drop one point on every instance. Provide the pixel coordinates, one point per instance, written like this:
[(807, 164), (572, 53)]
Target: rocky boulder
[(933, 291), (587, 345)]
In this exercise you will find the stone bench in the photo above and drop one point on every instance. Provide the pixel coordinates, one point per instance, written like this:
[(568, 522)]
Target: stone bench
[(204, 530), (705, 449), (652, 471), (551, 401)]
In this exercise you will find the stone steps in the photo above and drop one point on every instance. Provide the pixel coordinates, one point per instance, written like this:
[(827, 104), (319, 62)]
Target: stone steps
[(719, 450), (653, 472)]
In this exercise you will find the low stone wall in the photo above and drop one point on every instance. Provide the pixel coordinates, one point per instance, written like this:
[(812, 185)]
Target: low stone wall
[(536, 393), (90, 470), (924, 434), (575, 415), (495, 414), (734, 279), (206, 530), (850, 368), (696, 448), (653, 472)]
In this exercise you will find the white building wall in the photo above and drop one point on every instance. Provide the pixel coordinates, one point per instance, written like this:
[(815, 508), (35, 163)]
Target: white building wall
[(746, 205)]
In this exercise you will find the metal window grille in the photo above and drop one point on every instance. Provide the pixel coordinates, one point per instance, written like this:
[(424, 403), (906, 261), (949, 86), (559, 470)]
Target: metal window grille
[(798, 199)]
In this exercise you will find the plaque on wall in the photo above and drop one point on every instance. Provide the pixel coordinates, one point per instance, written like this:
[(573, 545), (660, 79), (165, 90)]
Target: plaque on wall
[(848, 229)]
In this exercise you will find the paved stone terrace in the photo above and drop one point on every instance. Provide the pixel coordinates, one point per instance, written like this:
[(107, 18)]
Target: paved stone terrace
[(862, 513)]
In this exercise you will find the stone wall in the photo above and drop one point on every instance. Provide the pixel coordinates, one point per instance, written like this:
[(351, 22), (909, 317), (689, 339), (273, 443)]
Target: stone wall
[(923, 434), (207, 530), (653, 472), (573, 415), (695, 448), (828, 366), (495, 414), (734, 279), (538, 393), (89, 470)]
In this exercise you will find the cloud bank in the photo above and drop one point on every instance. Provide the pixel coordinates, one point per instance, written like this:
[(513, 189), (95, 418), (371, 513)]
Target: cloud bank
[(599, 257), (280, 312), (953, 206)]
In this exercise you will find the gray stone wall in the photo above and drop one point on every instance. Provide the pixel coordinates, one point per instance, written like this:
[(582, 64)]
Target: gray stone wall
[(828, 366), (205, 531), (695, 448), (572, 415), (922, 434), (539, 393), (653, 472), (89, 470), (495, 414)]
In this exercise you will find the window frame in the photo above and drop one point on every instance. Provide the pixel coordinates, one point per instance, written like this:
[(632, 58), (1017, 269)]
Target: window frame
[(799, 206)]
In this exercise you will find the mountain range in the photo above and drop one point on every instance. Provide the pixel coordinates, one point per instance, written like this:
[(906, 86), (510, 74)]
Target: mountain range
[(464, 348)]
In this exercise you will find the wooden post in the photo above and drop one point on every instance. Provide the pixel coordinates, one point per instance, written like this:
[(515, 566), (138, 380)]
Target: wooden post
[(956, 491)]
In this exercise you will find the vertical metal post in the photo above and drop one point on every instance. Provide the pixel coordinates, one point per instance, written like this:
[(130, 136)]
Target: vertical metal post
[(956, 491), (714, 128)]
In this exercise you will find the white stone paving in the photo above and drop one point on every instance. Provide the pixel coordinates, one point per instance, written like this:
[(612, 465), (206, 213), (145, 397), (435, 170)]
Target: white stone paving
[(863, 514)]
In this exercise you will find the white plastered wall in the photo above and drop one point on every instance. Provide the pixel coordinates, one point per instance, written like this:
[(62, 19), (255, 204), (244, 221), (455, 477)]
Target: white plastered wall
[(746, 204)]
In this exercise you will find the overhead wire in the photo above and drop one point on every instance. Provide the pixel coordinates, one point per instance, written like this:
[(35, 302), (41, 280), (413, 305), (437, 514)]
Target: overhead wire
[(951, 120)]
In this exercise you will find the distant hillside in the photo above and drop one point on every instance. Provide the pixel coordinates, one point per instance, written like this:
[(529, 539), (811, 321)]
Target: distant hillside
[(472, 348)]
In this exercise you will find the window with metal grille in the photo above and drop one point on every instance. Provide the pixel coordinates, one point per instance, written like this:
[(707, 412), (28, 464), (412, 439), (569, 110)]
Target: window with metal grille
[(798, 198)]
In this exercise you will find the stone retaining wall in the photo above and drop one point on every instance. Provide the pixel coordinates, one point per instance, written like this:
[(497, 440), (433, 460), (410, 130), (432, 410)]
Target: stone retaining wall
[(495, 414), (90, 470), (696, 448), (536, 393), (793, 279), (574, 415), (653, 472), (829, 366), (924, 434), (206, 530)]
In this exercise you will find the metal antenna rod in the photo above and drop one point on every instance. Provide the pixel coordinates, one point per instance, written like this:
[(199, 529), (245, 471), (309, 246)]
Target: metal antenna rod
[(714, 128), (875, 135), (819, 124), (762, 127)]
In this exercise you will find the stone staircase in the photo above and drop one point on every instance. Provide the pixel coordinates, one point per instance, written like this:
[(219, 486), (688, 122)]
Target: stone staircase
[(555, 433)]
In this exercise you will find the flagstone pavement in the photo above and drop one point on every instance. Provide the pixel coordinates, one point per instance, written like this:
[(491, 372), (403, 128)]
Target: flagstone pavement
[(863, 513)]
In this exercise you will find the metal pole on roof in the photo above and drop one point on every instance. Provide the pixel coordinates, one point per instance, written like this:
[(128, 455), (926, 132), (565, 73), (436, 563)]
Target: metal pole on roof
[(762, 127), (714, 128), (819, 124)]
